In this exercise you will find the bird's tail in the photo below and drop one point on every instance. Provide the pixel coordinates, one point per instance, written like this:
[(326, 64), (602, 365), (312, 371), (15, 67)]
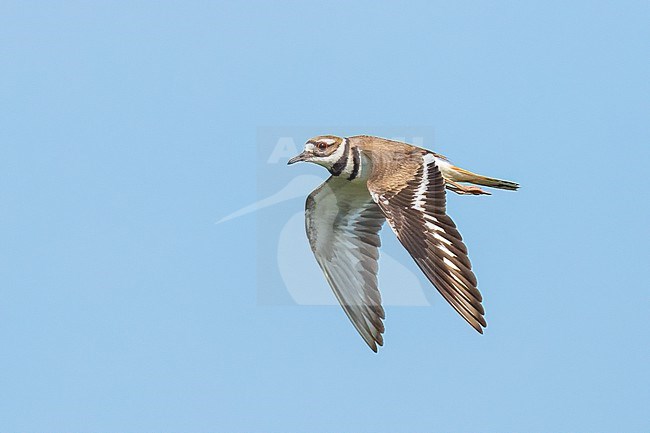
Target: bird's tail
[(462, 175)]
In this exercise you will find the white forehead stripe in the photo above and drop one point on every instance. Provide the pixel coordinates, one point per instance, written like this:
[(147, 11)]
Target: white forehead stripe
[(310, 146)]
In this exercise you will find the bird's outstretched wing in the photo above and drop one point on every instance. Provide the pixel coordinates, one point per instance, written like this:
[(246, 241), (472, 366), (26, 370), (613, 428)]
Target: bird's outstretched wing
[(343, 224), (416, 211)]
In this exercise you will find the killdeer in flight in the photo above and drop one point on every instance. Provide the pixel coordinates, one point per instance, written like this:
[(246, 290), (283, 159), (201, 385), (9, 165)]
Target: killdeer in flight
[(375, 180)]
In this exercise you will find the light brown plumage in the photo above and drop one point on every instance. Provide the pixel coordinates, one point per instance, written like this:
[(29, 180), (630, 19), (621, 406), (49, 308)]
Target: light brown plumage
[(375, 179)]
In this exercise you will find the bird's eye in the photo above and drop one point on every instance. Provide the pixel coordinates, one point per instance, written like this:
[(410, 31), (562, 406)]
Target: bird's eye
[(322, 146)]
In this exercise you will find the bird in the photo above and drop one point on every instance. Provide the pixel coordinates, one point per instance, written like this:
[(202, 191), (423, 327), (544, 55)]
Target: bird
[(373, 180)]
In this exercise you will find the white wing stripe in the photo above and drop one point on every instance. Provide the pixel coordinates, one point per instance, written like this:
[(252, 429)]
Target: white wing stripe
[(421, 193)]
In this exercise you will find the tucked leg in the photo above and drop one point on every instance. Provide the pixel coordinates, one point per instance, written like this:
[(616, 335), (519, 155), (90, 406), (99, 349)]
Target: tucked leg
[(464, 189)]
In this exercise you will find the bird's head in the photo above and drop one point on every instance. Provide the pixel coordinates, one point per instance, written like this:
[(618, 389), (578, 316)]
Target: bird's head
[(325, 150)]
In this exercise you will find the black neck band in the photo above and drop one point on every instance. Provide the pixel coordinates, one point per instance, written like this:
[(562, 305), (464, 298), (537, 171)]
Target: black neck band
[(339, 165)]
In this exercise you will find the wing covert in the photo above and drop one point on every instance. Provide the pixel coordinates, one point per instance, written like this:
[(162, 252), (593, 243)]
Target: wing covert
[(416, 211)]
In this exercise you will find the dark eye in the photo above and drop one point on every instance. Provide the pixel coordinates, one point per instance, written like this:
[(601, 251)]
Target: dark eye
[(322, 146)]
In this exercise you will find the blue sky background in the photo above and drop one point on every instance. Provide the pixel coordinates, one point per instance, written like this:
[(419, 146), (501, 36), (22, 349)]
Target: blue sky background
[(128, 128)]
